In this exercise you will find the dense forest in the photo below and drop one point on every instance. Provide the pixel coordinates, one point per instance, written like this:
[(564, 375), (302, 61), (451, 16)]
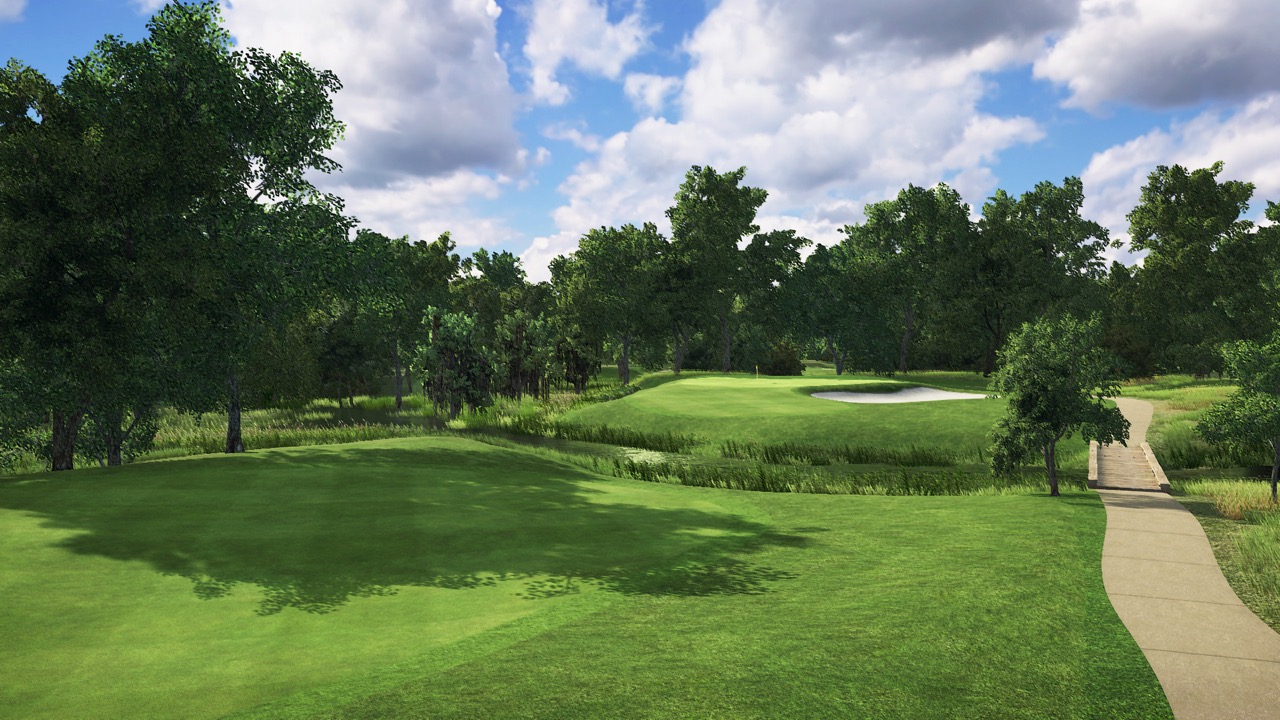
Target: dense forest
[(165, 247)]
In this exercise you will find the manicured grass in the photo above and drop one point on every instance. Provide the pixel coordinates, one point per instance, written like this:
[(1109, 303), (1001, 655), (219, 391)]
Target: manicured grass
[(777, 411), (440, 577)]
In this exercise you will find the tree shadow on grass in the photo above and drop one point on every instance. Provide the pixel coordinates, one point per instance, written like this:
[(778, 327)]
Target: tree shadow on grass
[(314, 529)]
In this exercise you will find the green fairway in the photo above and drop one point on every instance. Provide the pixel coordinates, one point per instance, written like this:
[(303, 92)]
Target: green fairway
[(439, 577), (780, 410)]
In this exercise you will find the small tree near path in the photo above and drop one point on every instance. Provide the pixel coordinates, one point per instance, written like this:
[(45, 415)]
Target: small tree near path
[(1056, 379), (1250, 416)]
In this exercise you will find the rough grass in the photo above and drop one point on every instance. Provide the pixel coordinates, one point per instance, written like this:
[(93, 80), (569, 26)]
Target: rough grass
[(1179, 402), (440, 577), (1243, 527)]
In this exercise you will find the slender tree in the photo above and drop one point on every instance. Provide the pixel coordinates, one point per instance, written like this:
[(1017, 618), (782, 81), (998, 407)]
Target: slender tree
[(1056, 379), (713, 212)]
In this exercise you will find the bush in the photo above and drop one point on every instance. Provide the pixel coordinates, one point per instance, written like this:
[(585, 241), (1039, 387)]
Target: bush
[(783, 359)]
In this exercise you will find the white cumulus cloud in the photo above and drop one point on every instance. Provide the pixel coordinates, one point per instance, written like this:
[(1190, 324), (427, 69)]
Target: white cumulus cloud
[(11, 10), (1247, 140), (1160, 53), (426, 98), (828, 107), (578, 32)]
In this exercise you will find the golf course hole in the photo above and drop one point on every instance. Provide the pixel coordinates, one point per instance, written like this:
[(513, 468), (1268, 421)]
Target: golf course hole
[(905, 395)]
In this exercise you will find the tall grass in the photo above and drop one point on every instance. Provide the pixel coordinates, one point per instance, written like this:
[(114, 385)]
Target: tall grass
[(791, 479), (669, 442), (1180, 448), (1234, 499), (804, 454), (1259, 546)]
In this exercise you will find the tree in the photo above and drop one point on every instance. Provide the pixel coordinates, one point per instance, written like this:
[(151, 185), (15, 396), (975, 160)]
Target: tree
[(457, 369), (1206, 274), (840, 299), (711, 215), (1033, 255), (915, 237), (1055, 378), (613, 281), (1250, 416)]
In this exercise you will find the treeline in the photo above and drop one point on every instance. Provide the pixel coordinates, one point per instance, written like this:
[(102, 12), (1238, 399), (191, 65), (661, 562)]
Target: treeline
[(921, 285), (164, 247)]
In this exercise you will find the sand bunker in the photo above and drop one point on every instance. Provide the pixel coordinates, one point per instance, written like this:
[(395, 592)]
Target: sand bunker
[(906, 395)]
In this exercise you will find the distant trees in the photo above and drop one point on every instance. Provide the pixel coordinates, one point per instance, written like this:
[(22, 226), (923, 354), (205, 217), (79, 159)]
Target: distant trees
[(915, 239), (1055, 379), (614, 281)]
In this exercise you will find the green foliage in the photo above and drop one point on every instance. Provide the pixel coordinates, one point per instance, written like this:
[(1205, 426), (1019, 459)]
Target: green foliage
[(782, 359), (913, 238), (457, 369), (1208, 277), (1055, 380), (790, 479), (1032, 256), (703, 269), (1250, 417), (612, 286), (814, 454)]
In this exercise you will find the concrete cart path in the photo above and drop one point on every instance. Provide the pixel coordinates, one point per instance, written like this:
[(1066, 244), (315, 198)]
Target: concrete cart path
[(1214, 658)]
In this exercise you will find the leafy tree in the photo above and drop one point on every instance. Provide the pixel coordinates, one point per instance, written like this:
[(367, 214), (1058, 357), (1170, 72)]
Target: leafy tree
[(457, 369), (841, 299), (1206, 274), (1055, 378), (915, 238), (711, 216), (1250, 416), (613, 281), (1033, 255)]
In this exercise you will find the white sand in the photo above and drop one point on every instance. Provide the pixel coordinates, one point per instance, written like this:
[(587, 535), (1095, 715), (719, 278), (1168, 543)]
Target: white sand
[(906, 395)]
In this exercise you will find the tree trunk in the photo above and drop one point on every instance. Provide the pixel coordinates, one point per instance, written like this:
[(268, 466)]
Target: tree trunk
[(909, 314), (989, 364), (624, 360), (725, 342), (836, 357), (1051, 464), (677, 352), (65, 428), (111, 422), (1275, 468), (235, 443), (395, 348)]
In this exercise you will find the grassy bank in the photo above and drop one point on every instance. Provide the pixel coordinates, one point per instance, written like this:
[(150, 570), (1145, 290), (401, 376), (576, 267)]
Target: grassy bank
[(1244, 529), (441, 577)]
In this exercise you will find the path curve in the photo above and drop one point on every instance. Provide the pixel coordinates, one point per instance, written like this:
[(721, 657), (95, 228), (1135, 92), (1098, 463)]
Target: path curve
[(1214, 658)]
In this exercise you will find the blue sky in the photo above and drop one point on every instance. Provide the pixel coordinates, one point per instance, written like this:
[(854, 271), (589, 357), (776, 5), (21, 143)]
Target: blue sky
[(520, 125)]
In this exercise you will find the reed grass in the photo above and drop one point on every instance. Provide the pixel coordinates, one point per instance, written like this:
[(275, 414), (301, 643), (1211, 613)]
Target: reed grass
[(1258, 544), (1180, 448), (792, 479), (1234, 499), (806, 454)]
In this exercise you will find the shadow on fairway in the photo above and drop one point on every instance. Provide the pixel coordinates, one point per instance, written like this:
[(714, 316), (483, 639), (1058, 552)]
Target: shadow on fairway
[(315, 528)]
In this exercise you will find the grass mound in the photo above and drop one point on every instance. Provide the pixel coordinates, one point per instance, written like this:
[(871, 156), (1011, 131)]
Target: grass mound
[(442, 577)]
